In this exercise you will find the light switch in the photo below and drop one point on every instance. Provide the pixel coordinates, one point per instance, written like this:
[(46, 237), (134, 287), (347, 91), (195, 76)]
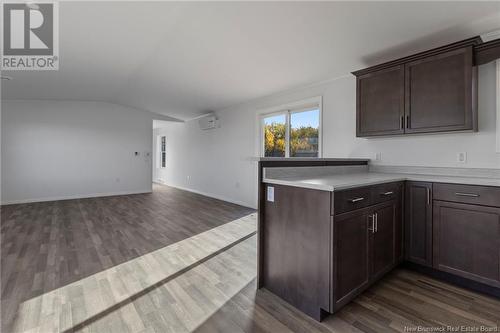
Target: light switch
[(270, 193)]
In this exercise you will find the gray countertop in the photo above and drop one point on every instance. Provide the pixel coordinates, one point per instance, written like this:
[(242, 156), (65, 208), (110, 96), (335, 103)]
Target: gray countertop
[(336, 182), (312, 159)]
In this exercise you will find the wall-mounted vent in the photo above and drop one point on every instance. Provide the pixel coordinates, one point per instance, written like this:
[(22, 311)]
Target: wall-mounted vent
[(207, 122)]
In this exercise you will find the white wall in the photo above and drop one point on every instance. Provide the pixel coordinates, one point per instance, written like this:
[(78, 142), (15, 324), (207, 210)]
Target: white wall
[(221, 162), (213, 162), (67, 149)]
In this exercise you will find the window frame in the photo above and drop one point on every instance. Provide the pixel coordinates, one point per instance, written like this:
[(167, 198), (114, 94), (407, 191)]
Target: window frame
[(498, 106), (287, 130), (288, 109), (162, 150)]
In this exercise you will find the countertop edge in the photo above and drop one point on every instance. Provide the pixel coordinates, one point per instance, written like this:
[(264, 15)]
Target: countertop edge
[(320, 187), (398, 178), (313, 159)]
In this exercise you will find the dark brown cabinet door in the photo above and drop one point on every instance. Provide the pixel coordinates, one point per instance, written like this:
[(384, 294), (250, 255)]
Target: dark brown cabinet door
[(296, 247), (380, 102), (467, 241), (418, 223), (350, 255), (439, 93), (383, 247)]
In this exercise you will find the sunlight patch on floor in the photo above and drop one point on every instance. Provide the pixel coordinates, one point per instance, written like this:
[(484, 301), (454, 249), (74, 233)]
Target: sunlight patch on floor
[(185, 303), (63, 308)]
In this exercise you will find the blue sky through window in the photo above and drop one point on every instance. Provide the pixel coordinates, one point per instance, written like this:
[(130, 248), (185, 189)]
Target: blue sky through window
[(275, 119), (299, 119), (305, 119)]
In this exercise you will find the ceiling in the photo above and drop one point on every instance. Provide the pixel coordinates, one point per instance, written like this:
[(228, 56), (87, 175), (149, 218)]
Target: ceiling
[(184, 59)]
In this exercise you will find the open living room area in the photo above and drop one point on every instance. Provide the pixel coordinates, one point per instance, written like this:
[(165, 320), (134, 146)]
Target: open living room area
[(250, 167)]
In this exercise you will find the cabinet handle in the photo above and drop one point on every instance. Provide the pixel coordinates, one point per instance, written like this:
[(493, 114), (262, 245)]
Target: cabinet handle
[(387, 193), (376, 223), (428, 196), (408, 121), (402, 122), (372, 229), (356, 200), (472, 195)]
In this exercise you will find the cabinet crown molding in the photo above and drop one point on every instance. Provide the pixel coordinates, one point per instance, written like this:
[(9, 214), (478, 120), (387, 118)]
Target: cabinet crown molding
[(474, 41)]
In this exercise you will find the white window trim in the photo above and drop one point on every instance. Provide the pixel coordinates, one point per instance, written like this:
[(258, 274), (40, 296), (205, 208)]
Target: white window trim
[(498, 106), (287, 110), (160, 166)]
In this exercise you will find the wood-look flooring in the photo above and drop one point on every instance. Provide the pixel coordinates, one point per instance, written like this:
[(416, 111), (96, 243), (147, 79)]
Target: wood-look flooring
[(404, 301), (79, 304), (218, 293), (47, 245), (220, 296)]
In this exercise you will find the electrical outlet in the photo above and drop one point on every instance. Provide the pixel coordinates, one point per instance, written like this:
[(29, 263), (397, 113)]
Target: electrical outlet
[(462, 157), (378, 156), (270, 193)]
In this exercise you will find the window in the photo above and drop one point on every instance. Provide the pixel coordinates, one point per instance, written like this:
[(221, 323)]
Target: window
[(163, 151), (275, 135), (498, 106), (292, 132), (304, 133)]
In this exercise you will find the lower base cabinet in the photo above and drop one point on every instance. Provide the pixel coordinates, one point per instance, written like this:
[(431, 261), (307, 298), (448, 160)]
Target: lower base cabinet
[(383, 239), (319, 250), (466, 241), (364, 249), (351, 251), (296, 248), (418, 223)]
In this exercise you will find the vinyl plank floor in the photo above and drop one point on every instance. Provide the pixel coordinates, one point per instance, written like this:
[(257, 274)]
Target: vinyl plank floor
[(47, 245)]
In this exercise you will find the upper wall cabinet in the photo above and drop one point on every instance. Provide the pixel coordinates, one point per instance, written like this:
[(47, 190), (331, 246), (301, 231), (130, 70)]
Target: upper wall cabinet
[(440, 93), (432, 91), (381, 102)]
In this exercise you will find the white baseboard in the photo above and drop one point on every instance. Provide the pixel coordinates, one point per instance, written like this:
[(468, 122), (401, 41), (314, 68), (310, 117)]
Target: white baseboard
[(211, 195), (72, 197)]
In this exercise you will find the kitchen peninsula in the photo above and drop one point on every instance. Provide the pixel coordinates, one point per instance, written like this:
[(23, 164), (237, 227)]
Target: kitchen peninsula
[(330, 228)]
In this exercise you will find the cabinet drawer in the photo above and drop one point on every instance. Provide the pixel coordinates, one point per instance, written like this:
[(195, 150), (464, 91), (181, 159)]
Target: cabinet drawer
[(347, 200), (471, 194), (386, 192)]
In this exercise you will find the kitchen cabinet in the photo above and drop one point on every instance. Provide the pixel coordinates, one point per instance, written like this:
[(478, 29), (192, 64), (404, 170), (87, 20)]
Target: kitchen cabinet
[(380, 102), (466, 235), (383, 239), (487, 52), (319, 249), (296, 246), (470, 194), (418, 223), (432, 91), (351, 255), (440, 93), (364, 249), (352, 199)]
